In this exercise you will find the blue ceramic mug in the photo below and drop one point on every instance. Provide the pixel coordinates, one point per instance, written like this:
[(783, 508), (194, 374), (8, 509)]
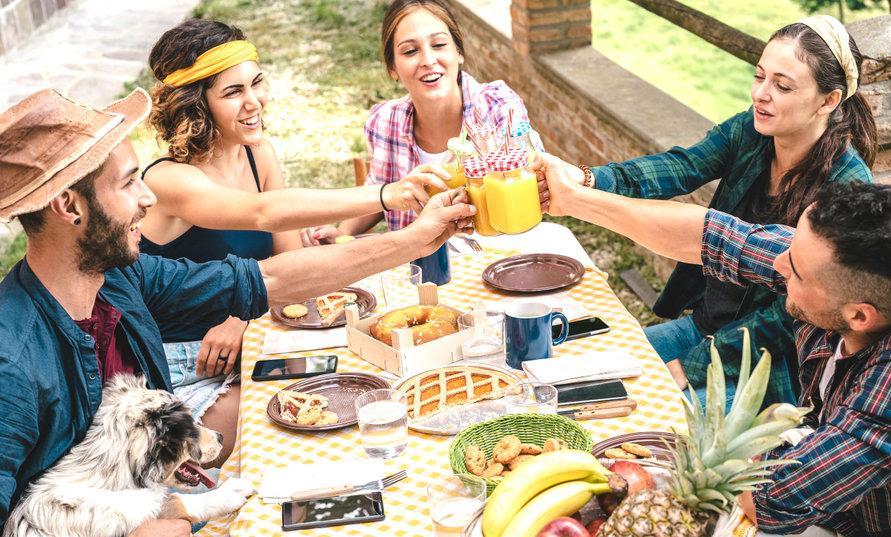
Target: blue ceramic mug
[(435, 267), (527, 332)]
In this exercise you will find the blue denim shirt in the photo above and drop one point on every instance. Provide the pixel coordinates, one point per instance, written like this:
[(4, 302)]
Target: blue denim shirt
[(50, 386)]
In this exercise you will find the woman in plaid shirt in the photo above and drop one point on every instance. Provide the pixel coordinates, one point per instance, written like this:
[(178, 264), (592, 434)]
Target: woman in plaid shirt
[(423, 48)]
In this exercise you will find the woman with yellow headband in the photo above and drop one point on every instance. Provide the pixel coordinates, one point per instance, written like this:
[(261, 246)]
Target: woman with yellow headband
[(220, 191), (808, 125)]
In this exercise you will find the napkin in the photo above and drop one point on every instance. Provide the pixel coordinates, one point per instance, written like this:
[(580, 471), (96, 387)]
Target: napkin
[(595, 366), (281, 483), (303, 340)]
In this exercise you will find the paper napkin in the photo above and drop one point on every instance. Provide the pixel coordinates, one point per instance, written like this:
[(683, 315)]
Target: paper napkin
[(303, 340), (595, 366), (281, 483)]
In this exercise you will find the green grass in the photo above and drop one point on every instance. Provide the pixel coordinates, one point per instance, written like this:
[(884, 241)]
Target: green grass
[(698, 74), (14, 251)]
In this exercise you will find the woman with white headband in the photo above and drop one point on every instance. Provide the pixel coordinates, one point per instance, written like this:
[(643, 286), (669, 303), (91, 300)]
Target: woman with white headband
[(808, 125), (220, 191)]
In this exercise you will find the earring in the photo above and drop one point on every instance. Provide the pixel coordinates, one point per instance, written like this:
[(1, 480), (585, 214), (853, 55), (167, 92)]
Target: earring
[(77, 221)]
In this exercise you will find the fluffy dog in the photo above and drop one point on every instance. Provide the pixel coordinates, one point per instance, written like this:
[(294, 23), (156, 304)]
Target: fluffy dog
[(140, 443)]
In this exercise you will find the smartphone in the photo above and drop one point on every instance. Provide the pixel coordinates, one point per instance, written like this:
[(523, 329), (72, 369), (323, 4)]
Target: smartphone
[(294, 368), (582, 328), (336, 511), (588, 392)]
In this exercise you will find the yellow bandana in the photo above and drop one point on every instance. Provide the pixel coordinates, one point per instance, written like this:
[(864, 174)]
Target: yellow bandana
[(213, 61)]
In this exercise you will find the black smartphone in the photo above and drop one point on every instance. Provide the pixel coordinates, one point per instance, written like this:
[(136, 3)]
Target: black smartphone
[(294, 368), (336, 511), (588, 392), (582, 328)]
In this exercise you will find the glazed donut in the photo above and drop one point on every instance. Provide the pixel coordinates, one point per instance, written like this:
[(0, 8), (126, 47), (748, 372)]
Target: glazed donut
[(426, 323)]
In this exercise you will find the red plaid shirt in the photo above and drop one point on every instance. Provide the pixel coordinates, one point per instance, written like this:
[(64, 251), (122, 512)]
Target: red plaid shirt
[(391, 141), (843, 480)]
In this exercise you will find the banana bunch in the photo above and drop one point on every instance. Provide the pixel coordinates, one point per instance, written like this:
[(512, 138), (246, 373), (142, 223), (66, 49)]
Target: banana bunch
[(551, 485)]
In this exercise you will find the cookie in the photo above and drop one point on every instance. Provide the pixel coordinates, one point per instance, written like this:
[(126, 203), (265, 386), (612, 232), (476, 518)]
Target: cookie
[(327, 418), (637, 449), (518, 460), (554, 444), (309, 416), (295, 311), (475, 460), (507, 448), (530, 449), (616, 453), (493, 469)]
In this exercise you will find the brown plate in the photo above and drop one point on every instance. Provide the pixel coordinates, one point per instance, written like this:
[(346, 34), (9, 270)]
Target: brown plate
[(341, 389), (532, 273), (313, 320), (654, 440)]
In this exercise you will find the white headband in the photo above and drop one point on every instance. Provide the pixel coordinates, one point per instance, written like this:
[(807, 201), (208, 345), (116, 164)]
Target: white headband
[(836, 37)]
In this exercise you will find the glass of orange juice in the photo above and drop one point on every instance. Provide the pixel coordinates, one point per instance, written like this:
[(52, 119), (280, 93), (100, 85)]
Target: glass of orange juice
[(459, 150), (475, 170), (511, 192)]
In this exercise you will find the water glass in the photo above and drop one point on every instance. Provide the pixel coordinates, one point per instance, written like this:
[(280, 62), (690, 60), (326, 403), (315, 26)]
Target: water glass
[(486, 345), (532, 398), (454, 503), (400, 286), (383, 422)]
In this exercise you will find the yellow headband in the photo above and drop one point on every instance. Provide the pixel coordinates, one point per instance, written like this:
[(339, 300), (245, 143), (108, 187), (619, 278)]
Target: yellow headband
[(213, 61), (836, 37)]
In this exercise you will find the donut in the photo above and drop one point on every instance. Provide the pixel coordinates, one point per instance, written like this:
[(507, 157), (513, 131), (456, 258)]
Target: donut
[(425, 322)]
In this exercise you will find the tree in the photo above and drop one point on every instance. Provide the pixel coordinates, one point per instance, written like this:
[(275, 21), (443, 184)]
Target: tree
[(812, 6)]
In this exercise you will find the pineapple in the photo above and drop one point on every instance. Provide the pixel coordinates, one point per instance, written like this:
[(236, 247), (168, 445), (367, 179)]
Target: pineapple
[(714, 464)]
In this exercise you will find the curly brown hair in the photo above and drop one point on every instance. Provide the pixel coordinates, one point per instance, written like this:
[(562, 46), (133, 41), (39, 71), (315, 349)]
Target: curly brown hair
[(181, 115)]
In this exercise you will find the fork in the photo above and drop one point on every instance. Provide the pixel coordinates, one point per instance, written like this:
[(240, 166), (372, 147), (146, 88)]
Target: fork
[(473, 243), (348, 489)]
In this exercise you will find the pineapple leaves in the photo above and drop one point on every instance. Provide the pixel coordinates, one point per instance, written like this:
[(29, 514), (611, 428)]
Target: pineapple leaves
[(745, 366)]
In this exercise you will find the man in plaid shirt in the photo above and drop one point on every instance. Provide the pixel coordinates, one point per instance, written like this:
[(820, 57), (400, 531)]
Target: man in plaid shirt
[(835, 270)]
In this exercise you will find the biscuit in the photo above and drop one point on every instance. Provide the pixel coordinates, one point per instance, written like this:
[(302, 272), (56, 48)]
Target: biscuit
[(295, 311), (637, 449), (554, 444), (327, 418), (507, 448), (616, 453), (309, 416), (530, 449), (493, 469), (518, 460), (475, 460)]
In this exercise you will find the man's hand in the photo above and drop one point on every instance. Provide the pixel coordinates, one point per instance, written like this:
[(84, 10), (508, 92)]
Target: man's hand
[(445, 214), (558, 183), (163, 528), (677, 372), (220, 348), (409, 193)]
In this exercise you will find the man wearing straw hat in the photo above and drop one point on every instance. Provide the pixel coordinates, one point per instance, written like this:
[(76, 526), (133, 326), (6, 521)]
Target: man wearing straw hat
[(83, 304)]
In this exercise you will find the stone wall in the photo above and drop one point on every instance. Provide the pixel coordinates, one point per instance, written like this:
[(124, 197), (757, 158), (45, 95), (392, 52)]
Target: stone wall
[(18, 18), (873, 37)]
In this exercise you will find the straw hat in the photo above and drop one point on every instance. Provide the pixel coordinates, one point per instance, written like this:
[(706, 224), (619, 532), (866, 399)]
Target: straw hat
[(49, 142)]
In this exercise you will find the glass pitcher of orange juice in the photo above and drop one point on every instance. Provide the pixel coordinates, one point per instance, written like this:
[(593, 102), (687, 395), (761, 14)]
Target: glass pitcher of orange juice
[(475, 170), (511, 191), (458, 150)]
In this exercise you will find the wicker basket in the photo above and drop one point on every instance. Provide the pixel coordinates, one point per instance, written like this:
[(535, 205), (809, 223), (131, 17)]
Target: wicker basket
[(530, 428)]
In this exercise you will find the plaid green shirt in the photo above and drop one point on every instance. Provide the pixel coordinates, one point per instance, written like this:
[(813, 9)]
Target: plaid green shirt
[(737, 154)]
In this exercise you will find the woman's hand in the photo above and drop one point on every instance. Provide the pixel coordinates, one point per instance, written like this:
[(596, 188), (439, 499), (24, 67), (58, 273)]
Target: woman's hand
[(409, 194), (315, 236), (557, 183), (220, 348)]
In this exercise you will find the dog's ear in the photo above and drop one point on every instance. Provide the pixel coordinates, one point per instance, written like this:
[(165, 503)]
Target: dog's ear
[(125, 382), (171, 430)]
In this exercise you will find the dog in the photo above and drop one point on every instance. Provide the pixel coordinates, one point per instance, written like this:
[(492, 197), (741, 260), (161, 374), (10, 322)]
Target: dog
[(141, 443)]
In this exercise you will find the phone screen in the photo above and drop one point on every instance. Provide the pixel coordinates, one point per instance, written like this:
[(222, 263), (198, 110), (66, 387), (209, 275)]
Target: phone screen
[(290, 368), (587, 392), (582, 328), (336, 511)]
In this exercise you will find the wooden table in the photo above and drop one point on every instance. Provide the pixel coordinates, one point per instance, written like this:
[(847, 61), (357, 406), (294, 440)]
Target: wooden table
[(262, 445)]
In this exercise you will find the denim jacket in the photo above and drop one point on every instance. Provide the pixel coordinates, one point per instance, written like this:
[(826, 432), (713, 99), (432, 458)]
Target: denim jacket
[(737, 154), (50, 386)]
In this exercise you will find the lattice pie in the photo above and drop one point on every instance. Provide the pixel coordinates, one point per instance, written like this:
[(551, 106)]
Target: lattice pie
[(331, 306), (434, 391)]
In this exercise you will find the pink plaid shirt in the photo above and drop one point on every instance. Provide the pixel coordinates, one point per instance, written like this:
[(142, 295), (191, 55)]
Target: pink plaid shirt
[(391, 139)]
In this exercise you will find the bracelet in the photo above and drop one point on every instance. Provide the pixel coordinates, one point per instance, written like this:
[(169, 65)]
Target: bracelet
[(382, 196), (588, 180)]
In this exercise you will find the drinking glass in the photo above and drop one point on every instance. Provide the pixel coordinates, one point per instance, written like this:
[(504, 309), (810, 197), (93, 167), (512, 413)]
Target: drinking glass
[(400, 286), (486, 345), (383, 422), (454, 502), (532, 398)]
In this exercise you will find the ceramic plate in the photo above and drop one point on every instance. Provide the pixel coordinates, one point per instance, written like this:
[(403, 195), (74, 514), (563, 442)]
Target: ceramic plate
[(533, 273), (312, 320)]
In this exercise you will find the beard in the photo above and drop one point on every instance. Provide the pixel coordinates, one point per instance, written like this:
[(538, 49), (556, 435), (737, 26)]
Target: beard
[(105, 244), (832, 320)]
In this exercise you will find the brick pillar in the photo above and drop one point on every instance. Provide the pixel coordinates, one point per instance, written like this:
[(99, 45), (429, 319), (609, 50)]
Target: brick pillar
[(873, 37), (549, 25)]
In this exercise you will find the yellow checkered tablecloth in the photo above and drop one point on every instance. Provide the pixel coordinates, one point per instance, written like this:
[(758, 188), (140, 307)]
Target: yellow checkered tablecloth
[(263, 445)]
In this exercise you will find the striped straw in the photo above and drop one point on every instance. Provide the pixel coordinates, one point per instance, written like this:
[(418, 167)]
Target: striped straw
[(471, 135), (510, 128)]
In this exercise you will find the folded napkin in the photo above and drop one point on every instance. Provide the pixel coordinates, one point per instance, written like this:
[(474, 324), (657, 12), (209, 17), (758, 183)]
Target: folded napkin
[(279, 484), (303, 340), (595, 366)]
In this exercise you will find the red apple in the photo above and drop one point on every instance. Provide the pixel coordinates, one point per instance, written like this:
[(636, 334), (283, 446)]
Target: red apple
[(637, 478), (564, 527), (594, 526)]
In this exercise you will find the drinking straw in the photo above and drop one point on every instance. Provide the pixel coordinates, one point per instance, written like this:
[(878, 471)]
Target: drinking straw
[(510, 127), (473, 140)]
